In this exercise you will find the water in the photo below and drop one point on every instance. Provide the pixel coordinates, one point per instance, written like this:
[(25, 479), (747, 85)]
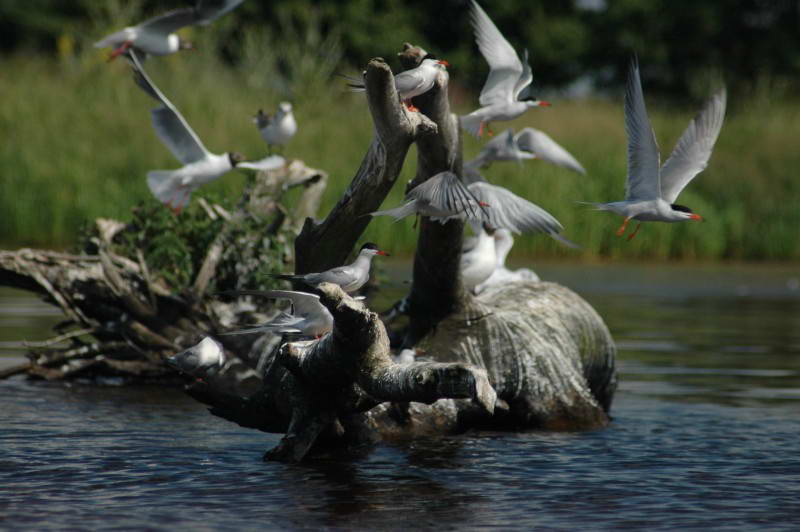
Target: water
[(706, 433)]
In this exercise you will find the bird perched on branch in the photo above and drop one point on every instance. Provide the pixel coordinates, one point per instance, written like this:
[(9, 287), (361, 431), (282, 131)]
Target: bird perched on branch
[(650, 191), (278, 129), (350, 277), (156, 36), (174, 187), (411, 83), (507, 92), (307, 315)]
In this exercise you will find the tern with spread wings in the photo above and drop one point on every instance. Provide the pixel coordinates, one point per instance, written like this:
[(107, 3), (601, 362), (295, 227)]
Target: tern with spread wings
[(650, 190), (174, 187), (529, 143), (507, 92), (307, 316), (156, 36)]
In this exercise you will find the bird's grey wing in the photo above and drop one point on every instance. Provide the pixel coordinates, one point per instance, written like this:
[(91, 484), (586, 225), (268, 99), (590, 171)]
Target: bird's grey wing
[(208, 11), (472, 175), (693, 149), (341, 275), (446, 192), (170, 126), (522, 87), (545, 148), (643, 158), (500, 147), (509, 211), (505, 67), (271, 162), (170, 21), (283, 322), (408, 81)]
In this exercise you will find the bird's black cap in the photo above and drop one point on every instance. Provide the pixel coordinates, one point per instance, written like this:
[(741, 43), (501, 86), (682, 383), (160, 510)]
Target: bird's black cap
[(369, 245)]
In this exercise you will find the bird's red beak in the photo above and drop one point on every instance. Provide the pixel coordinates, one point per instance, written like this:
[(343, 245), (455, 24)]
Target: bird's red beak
[(483, 204), (382, 253), (696, 217), (443, 62), (543, 103)]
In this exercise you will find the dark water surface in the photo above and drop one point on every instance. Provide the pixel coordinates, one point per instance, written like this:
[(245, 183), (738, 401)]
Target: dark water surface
[(706, 434)]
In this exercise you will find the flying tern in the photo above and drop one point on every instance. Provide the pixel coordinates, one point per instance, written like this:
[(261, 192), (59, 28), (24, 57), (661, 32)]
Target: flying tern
[(203, 359), (278, 129), (156, 36), (529, 143), (650, 191), (441, 197), (307, 316), (413, 82), (174, 187), (350, 277), (507, 92)]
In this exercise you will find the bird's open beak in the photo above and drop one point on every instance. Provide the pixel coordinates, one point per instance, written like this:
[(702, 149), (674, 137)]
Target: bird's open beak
[(696, 217), (443, 62), (382, 253)]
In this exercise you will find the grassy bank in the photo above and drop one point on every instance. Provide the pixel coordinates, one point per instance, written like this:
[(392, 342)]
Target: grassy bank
[(78, 143)]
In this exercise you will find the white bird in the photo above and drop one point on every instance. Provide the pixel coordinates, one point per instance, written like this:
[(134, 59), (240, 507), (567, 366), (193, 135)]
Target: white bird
[(156, 36), (412, 82), (307, 315), (503, 242), (441, 197), (278, 129), (407, 356), (478, 259), (350, 277), (529, 143), (506, 94), (174, 187), (650, 191), (203, 359), (517, 214)]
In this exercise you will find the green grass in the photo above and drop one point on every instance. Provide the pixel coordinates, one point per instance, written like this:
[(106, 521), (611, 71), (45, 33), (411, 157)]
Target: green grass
[(78, 143)]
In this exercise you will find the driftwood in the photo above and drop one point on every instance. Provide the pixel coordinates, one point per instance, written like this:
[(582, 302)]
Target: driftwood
[(524, 355)]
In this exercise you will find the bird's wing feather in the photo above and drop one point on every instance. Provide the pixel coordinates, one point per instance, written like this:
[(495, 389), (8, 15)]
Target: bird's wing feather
[(170, 126), (170, 21), (408, 81), (209, 11), (545, 148), (693, 149), (446, 192), (505, 67), (525, 79), (643, 158)]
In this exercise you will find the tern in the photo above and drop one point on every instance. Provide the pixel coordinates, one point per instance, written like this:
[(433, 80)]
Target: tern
[(278, 129), (307, 316), (478, 258), (413, 82), (203, 359), (350, 277), (517, 214), (503, 242), (156, 36), (529, 143), (650, 191), (440, 197), (174, 187), (507, 92)]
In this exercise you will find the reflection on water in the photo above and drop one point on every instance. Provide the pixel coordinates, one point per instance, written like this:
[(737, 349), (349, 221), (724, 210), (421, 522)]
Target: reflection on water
[(704, 434)]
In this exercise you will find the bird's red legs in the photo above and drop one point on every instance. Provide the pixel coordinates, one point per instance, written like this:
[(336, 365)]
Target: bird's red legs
[(121, 49), (621, 230), (630, 237), (410, 106)]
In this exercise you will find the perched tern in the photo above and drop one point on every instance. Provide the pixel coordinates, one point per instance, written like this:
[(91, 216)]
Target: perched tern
[(650, 192), (156, 36), (278, 129), (413, 82), (307, 316), (203, 359), (503, 242), (517, 214), (174, 187), (441, 197), (529, 143), (478, 259), (506, 94), (350, 277)]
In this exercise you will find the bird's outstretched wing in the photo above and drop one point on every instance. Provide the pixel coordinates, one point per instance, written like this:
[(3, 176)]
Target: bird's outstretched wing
[(643, 157), (205, 12), (693, 149), (545, 148), (170, 126), (505, 67), (446, 192)]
